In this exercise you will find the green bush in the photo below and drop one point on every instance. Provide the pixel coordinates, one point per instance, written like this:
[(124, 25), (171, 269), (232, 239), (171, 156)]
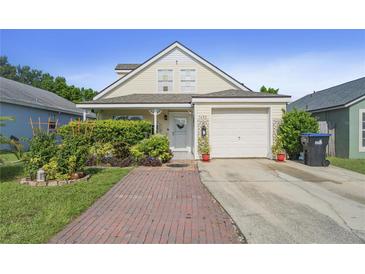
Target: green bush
[(72, 154), (121, 150), (42, 147), (51, 168), (203, 145), (157, 146), (101, 150), (108, 131), (278, 147), (59, 161), (293, 125)]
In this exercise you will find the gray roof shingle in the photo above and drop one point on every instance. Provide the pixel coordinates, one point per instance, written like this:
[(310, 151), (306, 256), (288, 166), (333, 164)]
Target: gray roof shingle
[(337, 96), (175, 98), (126, 66), (145, 98), (233, 93), (18, 93)]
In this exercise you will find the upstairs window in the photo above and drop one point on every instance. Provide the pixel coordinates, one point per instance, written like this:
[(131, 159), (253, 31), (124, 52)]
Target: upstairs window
[(188, 80), (165, 81)]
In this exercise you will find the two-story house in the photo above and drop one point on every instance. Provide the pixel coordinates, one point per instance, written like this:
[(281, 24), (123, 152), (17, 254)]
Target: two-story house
[(185, 96)]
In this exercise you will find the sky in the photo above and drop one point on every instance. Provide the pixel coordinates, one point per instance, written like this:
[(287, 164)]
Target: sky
[(297, 62)]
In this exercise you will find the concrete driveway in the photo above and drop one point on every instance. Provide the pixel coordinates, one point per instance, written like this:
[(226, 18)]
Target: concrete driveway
[(289, 202)]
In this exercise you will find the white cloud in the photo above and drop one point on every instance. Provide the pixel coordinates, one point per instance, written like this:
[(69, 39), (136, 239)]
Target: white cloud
[(301, 74)]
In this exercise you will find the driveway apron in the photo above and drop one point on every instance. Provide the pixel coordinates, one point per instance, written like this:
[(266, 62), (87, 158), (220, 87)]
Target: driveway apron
[(289, 202)]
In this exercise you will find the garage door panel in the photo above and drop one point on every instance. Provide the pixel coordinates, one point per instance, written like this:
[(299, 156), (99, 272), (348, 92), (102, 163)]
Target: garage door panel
[(239, 133)]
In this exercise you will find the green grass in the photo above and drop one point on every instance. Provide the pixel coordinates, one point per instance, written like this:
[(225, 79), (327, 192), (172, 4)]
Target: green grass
[(7, 157), (357, 165), (35, 214)]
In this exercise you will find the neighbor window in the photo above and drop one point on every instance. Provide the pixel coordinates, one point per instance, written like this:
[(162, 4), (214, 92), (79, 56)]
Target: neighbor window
[(52, 123), (362, 130), (188, 80), (165, 81)]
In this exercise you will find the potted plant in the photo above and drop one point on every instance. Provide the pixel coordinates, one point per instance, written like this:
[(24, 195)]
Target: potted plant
[(204, 149), (278, 150)]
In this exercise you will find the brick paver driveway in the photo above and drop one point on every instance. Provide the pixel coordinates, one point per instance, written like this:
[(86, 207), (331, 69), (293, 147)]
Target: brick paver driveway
[(154, 205)]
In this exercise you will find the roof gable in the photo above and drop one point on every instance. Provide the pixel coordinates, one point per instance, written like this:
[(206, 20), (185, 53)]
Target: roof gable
[(335, 97), (181, 52)]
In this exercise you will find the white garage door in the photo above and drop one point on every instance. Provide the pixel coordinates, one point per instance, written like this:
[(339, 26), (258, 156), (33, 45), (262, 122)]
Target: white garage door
[(239, 133)]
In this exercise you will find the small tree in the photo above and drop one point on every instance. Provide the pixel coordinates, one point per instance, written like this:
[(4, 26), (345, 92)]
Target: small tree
[(294, 124), (269, 90)]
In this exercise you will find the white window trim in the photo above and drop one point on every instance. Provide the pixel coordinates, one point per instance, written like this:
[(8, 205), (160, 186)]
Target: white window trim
[(173, 80), (196, 80), (361, 147)]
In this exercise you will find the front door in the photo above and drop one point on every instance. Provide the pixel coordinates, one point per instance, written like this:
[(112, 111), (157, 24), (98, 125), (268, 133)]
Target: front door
[(179, 132)]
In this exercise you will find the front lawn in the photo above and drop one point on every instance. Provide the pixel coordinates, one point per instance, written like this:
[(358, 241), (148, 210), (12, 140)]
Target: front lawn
[(7, 157), (34, 214), (357, 165)]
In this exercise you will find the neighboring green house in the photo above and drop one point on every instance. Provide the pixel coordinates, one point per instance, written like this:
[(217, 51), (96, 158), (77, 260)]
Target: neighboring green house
[(340, 110)]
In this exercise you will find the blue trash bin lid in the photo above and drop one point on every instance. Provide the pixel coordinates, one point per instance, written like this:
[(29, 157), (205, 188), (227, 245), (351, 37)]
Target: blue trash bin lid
[(316, 134)]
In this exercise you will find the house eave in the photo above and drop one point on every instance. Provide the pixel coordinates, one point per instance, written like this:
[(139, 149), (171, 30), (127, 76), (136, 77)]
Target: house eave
[(242, 100), (134, 106), (49, 108)]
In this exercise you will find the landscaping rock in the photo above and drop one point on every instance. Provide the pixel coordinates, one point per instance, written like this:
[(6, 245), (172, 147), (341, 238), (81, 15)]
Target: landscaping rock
[(75, 176), (52, 183), (41, 184), (61, 183), (32, 183), (24, 181)]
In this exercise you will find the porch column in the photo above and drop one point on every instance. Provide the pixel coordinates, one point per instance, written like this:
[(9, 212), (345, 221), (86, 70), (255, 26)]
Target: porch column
[(155, 113), (154, 121), (84, 115)]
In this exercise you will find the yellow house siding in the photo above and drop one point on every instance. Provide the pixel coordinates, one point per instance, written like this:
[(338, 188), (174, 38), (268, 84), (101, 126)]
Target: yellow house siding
[(146, 81)]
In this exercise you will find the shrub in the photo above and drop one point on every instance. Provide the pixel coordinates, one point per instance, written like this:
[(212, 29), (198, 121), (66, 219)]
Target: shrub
[(277, 147), (150, 161), (121, 150), (42, 147), (72, 154), (108, 131), (157, 146), (203, 145), (294, 123), (99, 151), (119, 162), (51, 169)]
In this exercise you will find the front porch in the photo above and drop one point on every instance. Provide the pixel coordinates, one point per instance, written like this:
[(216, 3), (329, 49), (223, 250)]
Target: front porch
[(175, 122)]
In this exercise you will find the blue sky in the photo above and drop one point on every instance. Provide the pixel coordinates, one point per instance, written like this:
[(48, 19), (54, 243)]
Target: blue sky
[(296, 61)]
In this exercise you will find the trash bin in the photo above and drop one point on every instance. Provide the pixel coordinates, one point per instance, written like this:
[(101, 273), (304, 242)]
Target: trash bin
[(314, 148)]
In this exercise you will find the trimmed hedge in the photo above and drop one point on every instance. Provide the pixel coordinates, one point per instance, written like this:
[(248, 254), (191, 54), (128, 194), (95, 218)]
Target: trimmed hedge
[(108, 131)]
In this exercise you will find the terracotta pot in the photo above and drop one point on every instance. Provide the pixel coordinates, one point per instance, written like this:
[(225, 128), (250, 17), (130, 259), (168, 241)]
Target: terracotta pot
[(280, 157), (206, 157)]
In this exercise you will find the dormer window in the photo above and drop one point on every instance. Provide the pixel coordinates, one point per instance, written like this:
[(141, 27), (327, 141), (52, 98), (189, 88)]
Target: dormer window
[(188, 80), (165, 81)]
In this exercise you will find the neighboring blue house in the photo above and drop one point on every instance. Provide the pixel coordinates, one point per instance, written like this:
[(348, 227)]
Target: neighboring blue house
[(340, 110), (27, 103)]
